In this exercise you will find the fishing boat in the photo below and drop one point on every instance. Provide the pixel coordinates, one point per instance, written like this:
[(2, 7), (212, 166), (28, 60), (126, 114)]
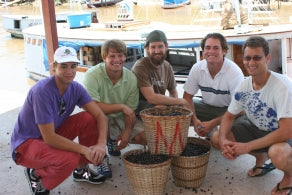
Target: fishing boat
[(14, 24), (170, 4), (101, 3), (183, 41)]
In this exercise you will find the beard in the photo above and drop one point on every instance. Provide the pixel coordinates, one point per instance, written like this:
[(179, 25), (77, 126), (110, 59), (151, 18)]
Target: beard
[(157, 59)]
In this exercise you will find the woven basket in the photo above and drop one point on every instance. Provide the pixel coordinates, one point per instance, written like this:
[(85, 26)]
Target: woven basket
[(166, 134), (191, 171), (147, 179)]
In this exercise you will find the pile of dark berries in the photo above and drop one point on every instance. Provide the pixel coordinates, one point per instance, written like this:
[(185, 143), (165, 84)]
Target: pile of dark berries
[(192, 149), (168, 114), (145, 158)]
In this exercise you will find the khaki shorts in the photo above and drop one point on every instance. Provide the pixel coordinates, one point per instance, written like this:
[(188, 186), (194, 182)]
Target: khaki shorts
[(117, 126)]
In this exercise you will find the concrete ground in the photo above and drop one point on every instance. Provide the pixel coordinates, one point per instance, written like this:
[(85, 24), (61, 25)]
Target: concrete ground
[(223, 176)]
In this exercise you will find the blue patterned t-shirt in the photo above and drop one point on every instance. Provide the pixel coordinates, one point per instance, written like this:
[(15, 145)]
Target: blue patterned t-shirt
[(266, 106)]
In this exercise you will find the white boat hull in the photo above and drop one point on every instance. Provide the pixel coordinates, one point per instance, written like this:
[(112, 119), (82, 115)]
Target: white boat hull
[(180, 37)]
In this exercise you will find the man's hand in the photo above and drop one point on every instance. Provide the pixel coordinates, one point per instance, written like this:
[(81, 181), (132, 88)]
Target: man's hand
[(197, 126), (206, 128), (184, 103), (240, 148), (95, 154), (226, 149), (123, 139)]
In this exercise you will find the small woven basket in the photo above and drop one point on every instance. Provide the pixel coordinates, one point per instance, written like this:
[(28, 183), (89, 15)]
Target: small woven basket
[(166, 129), (147, 179), (190, 171)]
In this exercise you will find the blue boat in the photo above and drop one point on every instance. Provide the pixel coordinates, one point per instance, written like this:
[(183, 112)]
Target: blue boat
[(170, 4)]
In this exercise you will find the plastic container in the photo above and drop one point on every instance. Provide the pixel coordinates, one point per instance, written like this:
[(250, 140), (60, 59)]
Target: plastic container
[(79, 19)]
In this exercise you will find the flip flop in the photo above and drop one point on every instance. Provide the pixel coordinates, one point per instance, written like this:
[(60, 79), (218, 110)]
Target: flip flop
[(283, 189), (265, 169)]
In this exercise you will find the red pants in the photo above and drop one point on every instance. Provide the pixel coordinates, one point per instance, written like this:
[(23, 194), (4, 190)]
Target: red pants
[(54, 165)]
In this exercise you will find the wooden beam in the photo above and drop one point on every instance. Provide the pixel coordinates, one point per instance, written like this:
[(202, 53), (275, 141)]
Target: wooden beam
[(49, 17)]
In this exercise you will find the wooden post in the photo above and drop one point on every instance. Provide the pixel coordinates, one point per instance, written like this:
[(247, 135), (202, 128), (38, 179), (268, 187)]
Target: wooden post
[(49, 17)]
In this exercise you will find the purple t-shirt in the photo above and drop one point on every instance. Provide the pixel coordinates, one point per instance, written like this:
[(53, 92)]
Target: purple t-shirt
[(42, 106)]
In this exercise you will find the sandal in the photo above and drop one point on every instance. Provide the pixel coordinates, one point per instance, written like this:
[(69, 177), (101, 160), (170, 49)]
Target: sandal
[(265, 169), (283, 189)]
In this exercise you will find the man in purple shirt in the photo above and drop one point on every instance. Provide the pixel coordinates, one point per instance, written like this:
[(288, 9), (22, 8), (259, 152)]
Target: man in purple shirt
[(42, 140)]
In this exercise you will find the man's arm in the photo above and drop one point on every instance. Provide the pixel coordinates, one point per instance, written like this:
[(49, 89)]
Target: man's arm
[(159, 99), (101, 119), (226, 136), (189, 98), (111, 108), (124, 137), (173, 93)]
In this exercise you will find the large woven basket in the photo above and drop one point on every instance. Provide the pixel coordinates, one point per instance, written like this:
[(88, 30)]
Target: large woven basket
[(147, 179), (191, 171), (166, 133)]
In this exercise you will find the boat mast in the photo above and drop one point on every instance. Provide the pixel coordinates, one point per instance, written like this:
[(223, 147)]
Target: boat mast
[(49, 18)]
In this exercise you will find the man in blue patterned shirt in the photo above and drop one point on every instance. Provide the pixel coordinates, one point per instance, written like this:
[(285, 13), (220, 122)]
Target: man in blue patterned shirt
[(266, 99)]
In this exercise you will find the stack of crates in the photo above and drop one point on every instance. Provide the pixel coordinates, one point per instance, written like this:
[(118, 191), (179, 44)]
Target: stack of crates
[(91, 55)]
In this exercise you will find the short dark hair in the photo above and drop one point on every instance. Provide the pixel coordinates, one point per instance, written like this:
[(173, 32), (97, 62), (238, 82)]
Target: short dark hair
[(116, 44), (257, 41), (218, 36)]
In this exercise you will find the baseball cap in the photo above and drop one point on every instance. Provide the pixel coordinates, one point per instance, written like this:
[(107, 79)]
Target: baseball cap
[(156, 36), (65, 54)]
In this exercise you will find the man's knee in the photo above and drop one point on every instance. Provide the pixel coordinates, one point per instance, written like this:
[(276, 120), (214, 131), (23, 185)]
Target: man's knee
[(279, 153), (140, 138), (215, 140)]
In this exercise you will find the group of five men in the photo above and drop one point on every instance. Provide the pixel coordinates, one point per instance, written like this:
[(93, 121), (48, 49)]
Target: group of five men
[(254, 115)]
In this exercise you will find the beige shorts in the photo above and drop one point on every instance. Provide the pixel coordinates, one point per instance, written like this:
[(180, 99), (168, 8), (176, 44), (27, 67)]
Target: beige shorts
[(117, 126)]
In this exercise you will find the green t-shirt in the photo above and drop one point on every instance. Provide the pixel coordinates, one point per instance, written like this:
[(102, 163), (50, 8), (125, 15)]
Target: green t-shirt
[(101, 89)]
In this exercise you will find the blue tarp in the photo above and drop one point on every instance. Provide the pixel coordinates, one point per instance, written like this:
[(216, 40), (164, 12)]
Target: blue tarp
[(139, 46), (170, 2), (78, 45)]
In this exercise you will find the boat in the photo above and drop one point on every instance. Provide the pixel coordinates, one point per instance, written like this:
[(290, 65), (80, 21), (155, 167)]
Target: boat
[(101, 3), (170, 4), (183, 41), (11, 2), (14, 24)]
